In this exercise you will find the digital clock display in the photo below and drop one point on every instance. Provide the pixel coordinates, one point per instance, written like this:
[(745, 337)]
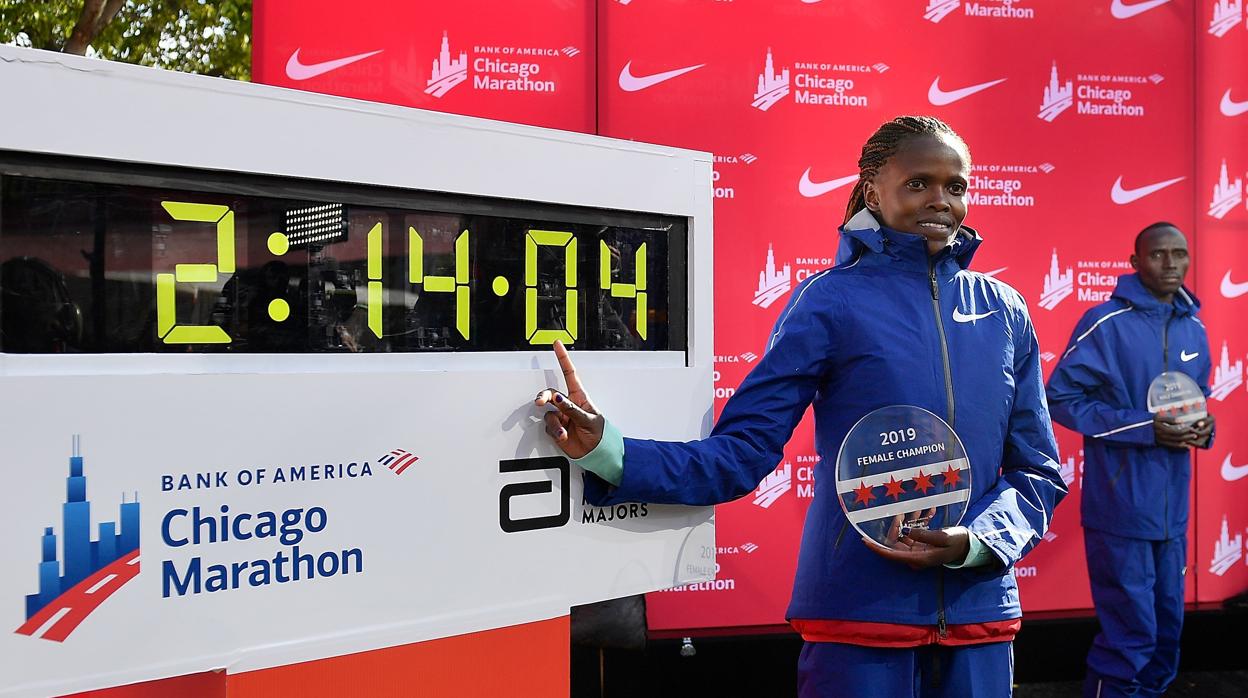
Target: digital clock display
[(104, 257)]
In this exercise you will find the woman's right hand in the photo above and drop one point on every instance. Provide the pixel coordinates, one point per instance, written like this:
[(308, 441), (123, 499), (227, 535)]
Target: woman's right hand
[(576, 426)]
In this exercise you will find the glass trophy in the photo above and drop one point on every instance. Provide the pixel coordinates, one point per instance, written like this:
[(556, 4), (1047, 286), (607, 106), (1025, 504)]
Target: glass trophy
[(900, 468), (1176, 395)]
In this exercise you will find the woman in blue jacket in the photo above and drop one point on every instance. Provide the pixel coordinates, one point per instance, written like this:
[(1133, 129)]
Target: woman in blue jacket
[(901, 321)]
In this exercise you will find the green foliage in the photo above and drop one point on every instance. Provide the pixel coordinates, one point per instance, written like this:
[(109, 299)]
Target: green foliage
[(194, 36)]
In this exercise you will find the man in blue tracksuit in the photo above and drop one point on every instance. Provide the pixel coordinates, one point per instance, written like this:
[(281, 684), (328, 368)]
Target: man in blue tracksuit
[(1137, 465)]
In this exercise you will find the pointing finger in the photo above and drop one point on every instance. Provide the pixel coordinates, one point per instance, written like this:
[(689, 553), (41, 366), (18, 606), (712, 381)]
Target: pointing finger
[(569, 370)]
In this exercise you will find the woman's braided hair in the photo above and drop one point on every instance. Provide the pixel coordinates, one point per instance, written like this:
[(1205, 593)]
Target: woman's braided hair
[(883, 144)]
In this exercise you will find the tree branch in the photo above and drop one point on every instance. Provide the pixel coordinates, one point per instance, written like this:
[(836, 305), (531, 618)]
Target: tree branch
[(96, 14)]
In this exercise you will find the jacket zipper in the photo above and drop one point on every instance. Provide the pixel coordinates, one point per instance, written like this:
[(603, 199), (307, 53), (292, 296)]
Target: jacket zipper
[(944, 357), (1165, 366)]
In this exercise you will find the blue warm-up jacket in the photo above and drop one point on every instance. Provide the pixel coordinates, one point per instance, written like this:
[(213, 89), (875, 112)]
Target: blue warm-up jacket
[(1131, 487), (888, 327)]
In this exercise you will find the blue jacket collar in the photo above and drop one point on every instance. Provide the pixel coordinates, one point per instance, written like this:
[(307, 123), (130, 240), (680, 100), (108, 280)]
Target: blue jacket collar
[(1132, 290), (864, 237)]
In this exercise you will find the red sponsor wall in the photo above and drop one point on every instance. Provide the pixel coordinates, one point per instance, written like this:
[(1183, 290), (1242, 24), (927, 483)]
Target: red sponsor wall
[(1222, 228), (1082, 117)]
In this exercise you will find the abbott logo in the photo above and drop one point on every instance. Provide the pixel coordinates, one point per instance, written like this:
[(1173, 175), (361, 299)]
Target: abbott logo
[(1058, 96), (1057, 285), (1226, 551), (1226, 14), (446, 73), (771, 87), (1227, 194), (1226, 377), (772, 283), (93, 569), (774, 486)]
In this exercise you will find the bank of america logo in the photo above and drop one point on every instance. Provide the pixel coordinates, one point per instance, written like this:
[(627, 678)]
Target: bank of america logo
[(749, 357), (774, 486), (1046, 167), (748, 158), (1226, 14), (92, 569), (1227, 194), (1057, 285), (749, 547), (772, 283), (937, 10), (1226, 376), (398, 460), (447, 72), (1227, 551), (772, 87), (570, 51), (1049, 536), (881, 67), (1058, 96), (1047, 356)]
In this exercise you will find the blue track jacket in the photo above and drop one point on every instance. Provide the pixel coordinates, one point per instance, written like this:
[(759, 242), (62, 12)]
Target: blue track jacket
[(871, 332), (1131, 487)]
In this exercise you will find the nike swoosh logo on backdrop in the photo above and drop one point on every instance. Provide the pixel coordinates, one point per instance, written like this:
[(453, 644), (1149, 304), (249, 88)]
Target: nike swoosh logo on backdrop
[(1186, 356), (633, 83), (1230, 472), (1126, 196), (1122, 10), (939, 97), (811, 189), (295, 70), (1232, 108), (959, 316), (1230, 289)]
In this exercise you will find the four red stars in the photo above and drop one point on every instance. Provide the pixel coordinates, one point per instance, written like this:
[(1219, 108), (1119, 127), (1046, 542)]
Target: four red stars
[(897, 488)]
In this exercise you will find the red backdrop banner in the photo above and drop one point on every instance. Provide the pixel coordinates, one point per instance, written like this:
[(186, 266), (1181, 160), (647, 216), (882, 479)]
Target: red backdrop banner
[(1082, 118)]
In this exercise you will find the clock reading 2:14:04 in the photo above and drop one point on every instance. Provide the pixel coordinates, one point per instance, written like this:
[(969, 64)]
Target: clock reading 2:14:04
[(486, 259)]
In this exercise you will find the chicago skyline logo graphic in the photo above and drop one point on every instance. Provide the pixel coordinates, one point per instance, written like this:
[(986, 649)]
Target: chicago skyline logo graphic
[(937, 10), (1057, 285), (773, 283), (772, 87), (447, 72), (88, 571), (1226, 376), (1058, 96), (1226, 551), (1226, 14), (1227, 194)]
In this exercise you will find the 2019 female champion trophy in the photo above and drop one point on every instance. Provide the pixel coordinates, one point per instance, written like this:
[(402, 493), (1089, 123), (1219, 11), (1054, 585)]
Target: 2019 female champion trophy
[(902, 467), (1176, 395)]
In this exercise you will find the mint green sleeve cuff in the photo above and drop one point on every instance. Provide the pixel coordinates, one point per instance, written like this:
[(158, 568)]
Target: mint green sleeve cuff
[(607, 459), (978, 556)]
